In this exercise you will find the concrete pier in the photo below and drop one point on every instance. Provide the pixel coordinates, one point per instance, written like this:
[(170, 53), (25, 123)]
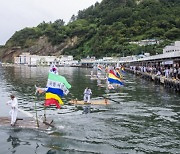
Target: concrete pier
[(167, 82)]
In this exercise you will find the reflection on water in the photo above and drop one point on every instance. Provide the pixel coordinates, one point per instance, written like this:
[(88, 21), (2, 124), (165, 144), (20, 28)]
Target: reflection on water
[(21, 141), (13, 139), (142, 117)]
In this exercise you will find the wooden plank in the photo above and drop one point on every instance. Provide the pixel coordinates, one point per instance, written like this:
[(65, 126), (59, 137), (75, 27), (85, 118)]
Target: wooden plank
[(25, 123), (96, 78), (91, 75), (92, 102)]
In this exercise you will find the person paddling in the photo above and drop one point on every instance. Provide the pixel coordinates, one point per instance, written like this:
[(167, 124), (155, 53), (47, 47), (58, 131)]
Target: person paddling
[(87, 95)]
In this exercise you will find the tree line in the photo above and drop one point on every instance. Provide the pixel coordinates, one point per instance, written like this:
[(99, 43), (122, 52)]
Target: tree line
[(106, 28)]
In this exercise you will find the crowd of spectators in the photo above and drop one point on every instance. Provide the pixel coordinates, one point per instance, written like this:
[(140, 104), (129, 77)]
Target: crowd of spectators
[(168, 71)]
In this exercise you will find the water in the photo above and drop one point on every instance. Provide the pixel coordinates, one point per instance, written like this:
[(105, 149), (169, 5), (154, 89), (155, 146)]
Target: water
[(142, 117)]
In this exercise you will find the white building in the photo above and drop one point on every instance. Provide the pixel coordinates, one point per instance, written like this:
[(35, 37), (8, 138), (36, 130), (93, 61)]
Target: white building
[(107, 58), (128, 58), (46, 60), (35, 60), (24, 58), (146, 42), (172, 48), (66, 58), (88, 60)]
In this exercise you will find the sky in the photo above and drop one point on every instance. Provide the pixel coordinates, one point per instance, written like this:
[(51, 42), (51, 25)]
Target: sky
[(18, 14)]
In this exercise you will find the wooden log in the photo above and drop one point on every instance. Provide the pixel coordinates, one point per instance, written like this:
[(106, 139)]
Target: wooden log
[(92, 102)]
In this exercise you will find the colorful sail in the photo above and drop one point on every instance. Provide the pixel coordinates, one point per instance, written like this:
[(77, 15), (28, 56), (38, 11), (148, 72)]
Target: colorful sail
[(112, 78), (57, 87), (118, 74), (99, 67), (54, 96), (58, 79), (122, 70), (56, 91), (53, 69), (52, 101)]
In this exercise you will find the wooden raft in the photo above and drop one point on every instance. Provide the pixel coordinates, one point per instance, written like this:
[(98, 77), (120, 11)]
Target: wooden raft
[(25, 123), (92, 102), (96, 78)]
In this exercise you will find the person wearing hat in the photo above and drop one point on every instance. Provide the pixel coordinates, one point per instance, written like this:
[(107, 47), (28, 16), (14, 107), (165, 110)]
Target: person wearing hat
[(14, 109)]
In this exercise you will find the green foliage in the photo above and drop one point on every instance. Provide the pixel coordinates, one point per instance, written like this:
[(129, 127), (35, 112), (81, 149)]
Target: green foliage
[(106, 28), (78, 27), (20, 38), (173, 33)]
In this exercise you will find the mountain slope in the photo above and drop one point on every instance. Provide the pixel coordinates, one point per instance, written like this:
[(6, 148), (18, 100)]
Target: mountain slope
[(105, 29)]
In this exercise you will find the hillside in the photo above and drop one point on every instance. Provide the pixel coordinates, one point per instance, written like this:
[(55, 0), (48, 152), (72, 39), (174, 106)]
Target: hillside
[(104, 29)]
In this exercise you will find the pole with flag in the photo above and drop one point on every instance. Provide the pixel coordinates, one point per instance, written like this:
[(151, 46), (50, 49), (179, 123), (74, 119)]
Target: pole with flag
[(35, 108), (56, 88)]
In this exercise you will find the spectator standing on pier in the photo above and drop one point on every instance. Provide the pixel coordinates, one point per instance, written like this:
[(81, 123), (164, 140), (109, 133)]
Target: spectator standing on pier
[(178, 73), (171, 72), (166, 72), (175, 73), (144, 69), (158, 73)]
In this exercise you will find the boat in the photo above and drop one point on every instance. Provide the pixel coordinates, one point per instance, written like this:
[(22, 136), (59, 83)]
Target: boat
[(92, 102), (91, 75), (98, 78)]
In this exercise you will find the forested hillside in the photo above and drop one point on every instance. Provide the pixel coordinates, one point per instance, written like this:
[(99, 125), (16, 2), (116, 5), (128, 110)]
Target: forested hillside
[(106, 28)]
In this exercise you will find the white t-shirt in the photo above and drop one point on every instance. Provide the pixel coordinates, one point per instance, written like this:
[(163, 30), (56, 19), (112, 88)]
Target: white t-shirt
[(13, 103)]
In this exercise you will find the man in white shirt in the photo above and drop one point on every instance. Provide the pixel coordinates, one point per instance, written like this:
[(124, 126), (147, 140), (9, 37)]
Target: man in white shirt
[(87, 95), (14, 109), (166, 72)]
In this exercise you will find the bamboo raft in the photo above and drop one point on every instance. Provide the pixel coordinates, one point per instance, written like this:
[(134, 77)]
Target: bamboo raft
[(25, 123), (100, 78), (92, 102), (91, 75)]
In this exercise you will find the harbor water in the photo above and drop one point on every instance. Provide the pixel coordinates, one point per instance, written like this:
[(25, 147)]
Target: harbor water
[(142, 117)]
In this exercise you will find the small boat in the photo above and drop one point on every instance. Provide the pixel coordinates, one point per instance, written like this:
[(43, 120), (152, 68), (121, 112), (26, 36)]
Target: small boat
[(98, 78), (92, 102), (91, 75)]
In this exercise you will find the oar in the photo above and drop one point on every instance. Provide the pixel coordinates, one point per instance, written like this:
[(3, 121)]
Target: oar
[(49, 124), (111, 99), (19, 119)]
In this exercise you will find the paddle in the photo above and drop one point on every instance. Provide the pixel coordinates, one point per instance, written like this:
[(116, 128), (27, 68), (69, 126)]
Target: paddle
[(111, 99), (49, 124), (19, 119)]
